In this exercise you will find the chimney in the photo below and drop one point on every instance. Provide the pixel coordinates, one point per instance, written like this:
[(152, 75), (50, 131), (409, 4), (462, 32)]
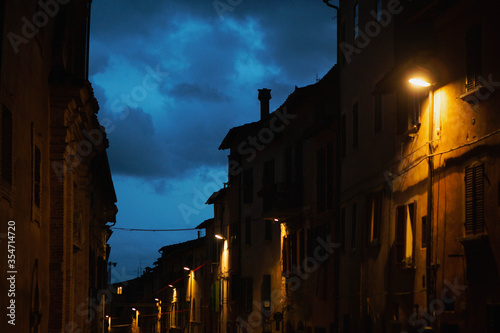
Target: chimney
[(264, 97)]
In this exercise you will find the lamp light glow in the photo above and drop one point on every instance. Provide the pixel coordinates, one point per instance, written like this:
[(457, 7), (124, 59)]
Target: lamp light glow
[(186, 268), (420, 82), (134, 309), (219, 237)]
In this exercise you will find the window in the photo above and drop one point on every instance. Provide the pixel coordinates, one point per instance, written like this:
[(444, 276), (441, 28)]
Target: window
[(6, 145), (266, 291), (355, 126), (425, 232), (119, 290), (235, 287), (353, 225), (473, 57), (248, 231), (408, 110), (356, 19), (343, 133), (247, 185), (376, 216), (377, 115), (268, 234), (194, 309), (248, 291), (404, 234), (324, 178), (474, 199), (268, 173)]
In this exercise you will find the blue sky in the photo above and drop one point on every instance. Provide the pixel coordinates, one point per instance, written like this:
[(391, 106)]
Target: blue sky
[(171, 78)]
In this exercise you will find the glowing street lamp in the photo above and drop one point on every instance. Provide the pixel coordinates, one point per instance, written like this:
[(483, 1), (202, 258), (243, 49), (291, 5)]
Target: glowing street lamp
[(419, 82), (219, 237), (186, 268)]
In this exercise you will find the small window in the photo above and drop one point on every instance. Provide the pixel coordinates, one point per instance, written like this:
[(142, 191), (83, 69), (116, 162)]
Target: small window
[(425, 232), (119, 290), (268, 173), (247, 185), (268, 234), (404, 234), (266, 291)]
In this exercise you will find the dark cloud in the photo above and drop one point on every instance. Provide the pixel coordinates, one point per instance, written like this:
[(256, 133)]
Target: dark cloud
[(198, 92), (215, 61)]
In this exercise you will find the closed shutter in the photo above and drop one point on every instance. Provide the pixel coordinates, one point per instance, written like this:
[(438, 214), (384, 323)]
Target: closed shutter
[(474, 199)]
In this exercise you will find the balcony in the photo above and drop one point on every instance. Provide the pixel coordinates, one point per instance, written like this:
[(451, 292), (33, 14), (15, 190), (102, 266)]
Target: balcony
[(281, 200)]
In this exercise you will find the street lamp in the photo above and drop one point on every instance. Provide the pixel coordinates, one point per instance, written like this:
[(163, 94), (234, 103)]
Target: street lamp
[(219, 237), (419, 82)]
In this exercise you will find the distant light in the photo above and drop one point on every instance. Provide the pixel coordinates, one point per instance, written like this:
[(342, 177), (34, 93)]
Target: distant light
[(276, 220), (156, 299), (219, 237), (171, 286), (134, 309), (419, 82), (186, 268), (107, 316)]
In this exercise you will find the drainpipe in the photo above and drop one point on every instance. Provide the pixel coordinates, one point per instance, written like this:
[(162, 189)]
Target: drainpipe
[(431, 281)]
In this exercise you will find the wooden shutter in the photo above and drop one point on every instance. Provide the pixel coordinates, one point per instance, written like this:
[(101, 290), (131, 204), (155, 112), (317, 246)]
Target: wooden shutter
[(474, 199)]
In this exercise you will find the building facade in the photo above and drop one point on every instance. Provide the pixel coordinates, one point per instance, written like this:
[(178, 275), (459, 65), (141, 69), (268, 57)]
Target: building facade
[(57, 194), (419, 188)]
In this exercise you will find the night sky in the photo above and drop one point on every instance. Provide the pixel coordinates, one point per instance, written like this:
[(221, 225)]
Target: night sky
[(171, 78)]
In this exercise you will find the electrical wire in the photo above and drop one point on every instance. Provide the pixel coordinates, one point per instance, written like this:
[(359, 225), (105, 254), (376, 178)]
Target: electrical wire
[(152, 230)]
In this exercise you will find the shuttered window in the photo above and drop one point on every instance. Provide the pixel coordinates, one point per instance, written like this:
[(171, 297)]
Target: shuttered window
[(474, 199)]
